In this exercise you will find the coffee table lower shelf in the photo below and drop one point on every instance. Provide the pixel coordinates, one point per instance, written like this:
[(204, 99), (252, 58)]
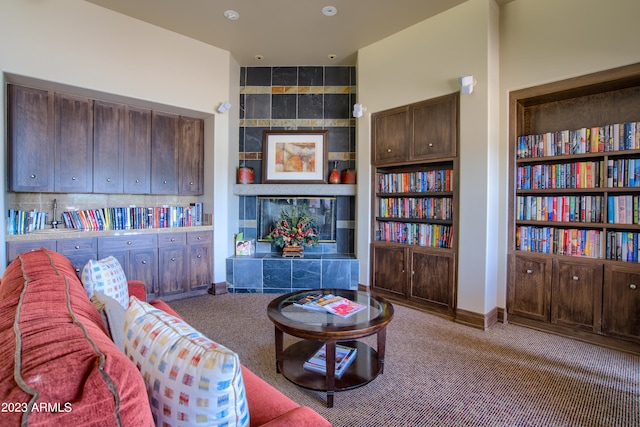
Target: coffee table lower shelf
[(361, 371)]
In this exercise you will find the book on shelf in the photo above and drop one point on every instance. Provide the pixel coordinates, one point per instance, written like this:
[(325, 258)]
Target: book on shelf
[(318, 362), (329, 303)]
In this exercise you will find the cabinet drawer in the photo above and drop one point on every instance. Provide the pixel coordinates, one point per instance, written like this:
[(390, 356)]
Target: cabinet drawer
[(120, 243), (171, 239), (70, 246), (199, 237), (16, 248)]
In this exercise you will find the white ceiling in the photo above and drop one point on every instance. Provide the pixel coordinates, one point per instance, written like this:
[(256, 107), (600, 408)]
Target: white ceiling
[(285, 32)]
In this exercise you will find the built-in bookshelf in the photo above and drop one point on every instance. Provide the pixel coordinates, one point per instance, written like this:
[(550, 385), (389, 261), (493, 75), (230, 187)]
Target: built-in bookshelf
[(414, 206), (574, 264)]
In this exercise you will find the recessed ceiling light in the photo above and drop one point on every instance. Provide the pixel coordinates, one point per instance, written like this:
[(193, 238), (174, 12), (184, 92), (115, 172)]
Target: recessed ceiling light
[(332, 56), (329, 10), (231, 15), (259, 57)]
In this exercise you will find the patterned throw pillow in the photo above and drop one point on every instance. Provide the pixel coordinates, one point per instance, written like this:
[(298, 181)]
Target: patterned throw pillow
[(190, 379), (106, 276)]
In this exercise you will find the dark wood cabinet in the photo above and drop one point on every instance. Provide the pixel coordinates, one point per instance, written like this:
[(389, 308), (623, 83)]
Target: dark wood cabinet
[(73, 144), (200, 254), (137, 255), (390, 133), (191, 168), (79, 251), (621, 301), (164, 153), (430, 277), (30, 132), (173, 261), (530, 294), (414, 208), (137, 151), (576, 127), (108, 147)]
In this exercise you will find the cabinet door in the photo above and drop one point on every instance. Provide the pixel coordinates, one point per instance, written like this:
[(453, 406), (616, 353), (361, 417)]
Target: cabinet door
[(530, 287), (431, 279), (390, 136), (172, 272), (389, 269), (30, 147), (621, 302), (108, 141), (164, 153), (74, 144), (433, 126), (576, 294), (137, 151), (191, 174), (200, 259), (16, 248), (143, 265)]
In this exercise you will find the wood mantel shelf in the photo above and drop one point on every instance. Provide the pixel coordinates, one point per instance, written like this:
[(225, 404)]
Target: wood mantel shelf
[(294, 189)]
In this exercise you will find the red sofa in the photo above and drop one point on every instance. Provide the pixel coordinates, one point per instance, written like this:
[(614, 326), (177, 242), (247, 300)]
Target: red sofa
[(58, 365)]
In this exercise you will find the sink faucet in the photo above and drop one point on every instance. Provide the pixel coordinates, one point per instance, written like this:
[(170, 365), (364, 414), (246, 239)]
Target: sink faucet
[(54, 222)]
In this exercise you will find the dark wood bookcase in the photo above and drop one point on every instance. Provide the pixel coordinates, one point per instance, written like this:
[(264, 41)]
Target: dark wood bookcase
[(414, 206), (575, 168)]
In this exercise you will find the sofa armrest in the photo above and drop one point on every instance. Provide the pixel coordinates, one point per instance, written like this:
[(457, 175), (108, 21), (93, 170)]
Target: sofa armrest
[(302, 416), (161, 305), (138, 289)]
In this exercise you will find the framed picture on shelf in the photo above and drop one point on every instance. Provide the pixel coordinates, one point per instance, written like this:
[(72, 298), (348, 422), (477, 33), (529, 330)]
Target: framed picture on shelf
[(290, 157)]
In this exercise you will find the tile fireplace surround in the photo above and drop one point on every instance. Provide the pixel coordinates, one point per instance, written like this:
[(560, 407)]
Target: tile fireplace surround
[(271, 273)]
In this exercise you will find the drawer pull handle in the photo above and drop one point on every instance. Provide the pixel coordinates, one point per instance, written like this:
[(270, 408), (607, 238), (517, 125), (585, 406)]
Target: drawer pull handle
[(632, 286), (199, 238), (191, 183), (73, 178), (529, 271), (33, 176), (173, 239), (129, 243), (108, 179), (77, 247), (388, 150), (137, 181), (164, 182), (173, 259), (575, 278), (431, 144), (199, 256), (144, 262)]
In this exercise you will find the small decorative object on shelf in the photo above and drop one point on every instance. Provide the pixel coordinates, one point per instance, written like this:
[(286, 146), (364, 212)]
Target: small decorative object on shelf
[(293, 231), (334, 178), (348, 176), (245, 175)]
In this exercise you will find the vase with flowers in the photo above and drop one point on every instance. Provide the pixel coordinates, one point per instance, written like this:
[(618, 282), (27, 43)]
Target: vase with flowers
[(293, 231)]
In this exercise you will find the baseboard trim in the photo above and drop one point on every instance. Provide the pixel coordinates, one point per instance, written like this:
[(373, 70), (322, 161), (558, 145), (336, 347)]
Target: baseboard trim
[(477, 320), (218, 288)]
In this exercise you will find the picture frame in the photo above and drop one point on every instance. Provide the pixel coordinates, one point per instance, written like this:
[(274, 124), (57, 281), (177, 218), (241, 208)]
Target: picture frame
[(291, 156)]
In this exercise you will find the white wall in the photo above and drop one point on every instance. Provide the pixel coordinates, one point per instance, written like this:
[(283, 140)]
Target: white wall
[(423, 62), (77, 47)]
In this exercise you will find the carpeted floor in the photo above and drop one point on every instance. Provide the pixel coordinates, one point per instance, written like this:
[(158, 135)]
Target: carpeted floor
[(440, 373)]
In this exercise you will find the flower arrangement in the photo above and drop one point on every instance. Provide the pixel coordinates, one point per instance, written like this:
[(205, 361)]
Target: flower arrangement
[(294, 228)]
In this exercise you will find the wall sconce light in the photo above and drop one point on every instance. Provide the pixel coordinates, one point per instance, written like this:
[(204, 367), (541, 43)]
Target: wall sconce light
[(467, 83), (358, 110), (224, 107)]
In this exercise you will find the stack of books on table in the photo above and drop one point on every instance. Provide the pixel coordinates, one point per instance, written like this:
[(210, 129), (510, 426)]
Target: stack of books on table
[(339, 306), (318, 362)]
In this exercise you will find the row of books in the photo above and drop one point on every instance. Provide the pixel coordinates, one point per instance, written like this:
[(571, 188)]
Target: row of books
[(560, 208), (623, 246), (559, 241), (344, 357), (409, 207), (133, 218), (430, 235), (329, 303), (22, 222), (415, 182), (561, 175), (598, 139)]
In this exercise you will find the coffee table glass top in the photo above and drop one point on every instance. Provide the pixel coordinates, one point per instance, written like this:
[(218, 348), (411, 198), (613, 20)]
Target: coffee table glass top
[(286, 308)]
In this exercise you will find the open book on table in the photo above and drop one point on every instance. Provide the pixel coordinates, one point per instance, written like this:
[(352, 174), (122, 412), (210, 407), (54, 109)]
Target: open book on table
[(318, 362), (339, 306)]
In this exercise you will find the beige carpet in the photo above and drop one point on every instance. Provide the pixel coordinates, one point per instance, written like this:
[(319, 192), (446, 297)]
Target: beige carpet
[(439, 373)]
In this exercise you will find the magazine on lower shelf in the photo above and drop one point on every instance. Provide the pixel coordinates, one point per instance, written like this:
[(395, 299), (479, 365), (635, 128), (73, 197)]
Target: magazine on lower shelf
[(339, 306), (344, 357)]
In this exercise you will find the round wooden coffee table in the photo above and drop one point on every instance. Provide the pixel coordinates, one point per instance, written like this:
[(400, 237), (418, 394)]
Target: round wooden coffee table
[(317, 328)]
